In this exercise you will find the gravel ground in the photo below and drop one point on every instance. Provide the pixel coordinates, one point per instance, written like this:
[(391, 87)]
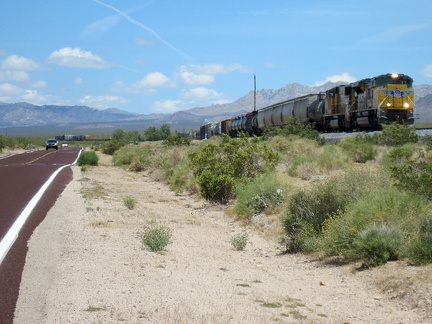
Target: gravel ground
[(86, 264)]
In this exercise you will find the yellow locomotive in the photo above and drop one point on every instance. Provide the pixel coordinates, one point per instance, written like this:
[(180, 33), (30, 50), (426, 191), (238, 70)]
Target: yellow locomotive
[(369, 103)]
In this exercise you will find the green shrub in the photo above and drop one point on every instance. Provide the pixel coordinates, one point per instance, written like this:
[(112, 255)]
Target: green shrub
[(381, 205), (239, 241), (216, 187), (264, 200), (399, 153), (177, 141), (305, 159), (359, 152), (218, 168), (364, 138), (306, 213), (156, 237), (420, 248), (180, 177), (111, 146), (258, 194), (136, 157), (397, 134), (129, 202), (88, 158), (294, 128), (308, 210), (428, 141), (414, 173), (378, 244)]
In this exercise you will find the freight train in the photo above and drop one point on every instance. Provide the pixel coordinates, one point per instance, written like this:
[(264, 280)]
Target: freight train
[(363, 105), (72, 137)]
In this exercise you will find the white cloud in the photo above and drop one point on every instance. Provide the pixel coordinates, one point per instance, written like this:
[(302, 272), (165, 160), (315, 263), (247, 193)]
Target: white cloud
[(102, 102), (32, 96), (191, 78), (200, 93), (19, 63), (12, 93), (8, 90), (167, 106), (203, 74), (344, 77), (39, 84), (75, 57), (17, 76), (100, 27), (154, 80), (427, 71), (213, 68)]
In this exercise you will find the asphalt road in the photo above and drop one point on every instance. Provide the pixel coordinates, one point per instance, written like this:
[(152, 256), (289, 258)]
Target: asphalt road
[(21, 178)]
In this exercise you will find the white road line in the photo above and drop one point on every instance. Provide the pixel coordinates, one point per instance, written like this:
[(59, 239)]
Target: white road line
[(13, 232)]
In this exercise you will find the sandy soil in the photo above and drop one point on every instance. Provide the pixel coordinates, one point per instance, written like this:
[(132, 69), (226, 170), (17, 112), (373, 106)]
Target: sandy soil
[(86, 264)]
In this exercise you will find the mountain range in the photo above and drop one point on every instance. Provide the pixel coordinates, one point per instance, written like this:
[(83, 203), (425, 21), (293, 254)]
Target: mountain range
[(13, 115)]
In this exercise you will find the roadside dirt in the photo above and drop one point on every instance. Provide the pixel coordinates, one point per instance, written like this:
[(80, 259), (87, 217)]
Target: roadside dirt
[(86, 264)]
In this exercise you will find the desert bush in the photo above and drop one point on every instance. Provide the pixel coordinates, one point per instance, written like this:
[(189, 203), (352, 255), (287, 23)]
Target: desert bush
[(420, 247), (428, 141), (358, 151), (397, 134), (111, 146), (309, 209), (172, 165), (239, 241), (399, 153), (216, 187), (156, 237), (306, 159), (365, 138), (344, 233), (378, 244), (392, 135), (88, 158), (129, 202), (294, 128), (180, 177), (258, 194), (136, 158), (218, 168), (412, 172), (173, 140), (264, 200)]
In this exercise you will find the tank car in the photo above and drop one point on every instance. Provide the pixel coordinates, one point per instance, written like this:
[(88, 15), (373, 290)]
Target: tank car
[(305, 109)]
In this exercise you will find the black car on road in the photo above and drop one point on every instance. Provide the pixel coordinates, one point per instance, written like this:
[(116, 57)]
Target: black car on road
[(51, 143)]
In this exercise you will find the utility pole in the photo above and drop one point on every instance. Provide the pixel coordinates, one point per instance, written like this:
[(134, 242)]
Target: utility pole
[(254, 92)]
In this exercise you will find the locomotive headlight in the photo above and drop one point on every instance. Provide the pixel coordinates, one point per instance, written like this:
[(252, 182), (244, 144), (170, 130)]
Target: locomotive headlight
[(406, 105), (395, 75), (388, 104)]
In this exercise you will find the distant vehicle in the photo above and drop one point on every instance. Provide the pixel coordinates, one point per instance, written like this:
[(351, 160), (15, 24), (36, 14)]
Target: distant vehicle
[(51, 143), (65, 144)]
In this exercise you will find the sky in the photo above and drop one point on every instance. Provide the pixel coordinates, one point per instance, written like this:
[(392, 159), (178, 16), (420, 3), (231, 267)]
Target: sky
[(162, 56)]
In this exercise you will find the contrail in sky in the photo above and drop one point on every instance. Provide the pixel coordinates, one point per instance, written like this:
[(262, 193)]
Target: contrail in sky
[(142, 26)]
